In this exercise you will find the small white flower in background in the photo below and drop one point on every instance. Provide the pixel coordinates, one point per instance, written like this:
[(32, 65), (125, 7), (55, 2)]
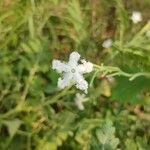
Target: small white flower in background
[(136, 17), (148, 33), (73, 72), (110, 79), (79, 99), (107, 43)]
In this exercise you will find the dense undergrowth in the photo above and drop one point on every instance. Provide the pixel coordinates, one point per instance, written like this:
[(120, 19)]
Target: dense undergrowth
[(34, 114)]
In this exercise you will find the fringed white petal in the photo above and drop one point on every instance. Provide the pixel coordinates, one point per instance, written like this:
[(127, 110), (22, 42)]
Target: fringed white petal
[(65, 81), (80, 82), (59, 66), (86, 67), (74, 58)]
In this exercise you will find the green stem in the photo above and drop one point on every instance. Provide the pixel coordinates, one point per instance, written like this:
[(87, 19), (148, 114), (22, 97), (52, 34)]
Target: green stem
[(57, 97), (53, 100), (27, 86), (142, 31), (115, 71)]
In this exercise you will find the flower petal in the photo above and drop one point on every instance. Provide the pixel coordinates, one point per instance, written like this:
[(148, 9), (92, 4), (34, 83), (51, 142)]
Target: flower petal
[(59, 66), (80, 82), (74, 58), (86, 67), (65, 81)]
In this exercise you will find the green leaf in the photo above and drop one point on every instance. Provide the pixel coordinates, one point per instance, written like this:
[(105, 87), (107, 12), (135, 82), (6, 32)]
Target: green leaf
[(50, 89), (12, 126), (106, 136), (130, 91), (130, 144)]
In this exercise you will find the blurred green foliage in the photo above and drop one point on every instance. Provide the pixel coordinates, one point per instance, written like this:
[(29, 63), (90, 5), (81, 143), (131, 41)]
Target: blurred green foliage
[(34, 114)]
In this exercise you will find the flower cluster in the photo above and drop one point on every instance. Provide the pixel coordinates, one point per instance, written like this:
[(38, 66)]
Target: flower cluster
[(73, 72)]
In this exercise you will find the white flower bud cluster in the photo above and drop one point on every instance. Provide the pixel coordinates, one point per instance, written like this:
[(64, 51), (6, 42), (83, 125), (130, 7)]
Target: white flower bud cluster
[(79, 99)]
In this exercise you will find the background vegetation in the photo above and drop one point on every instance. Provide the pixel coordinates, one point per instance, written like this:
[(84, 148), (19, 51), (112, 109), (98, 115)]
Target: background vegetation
[(34, 114)]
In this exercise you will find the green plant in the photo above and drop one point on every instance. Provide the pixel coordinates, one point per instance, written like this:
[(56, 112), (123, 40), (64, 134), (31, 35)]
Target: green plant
[(34, 114)]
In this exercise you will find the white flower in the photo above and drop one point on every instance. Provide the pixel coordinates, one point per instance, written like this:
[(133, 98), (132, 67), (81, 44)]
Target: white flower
[(136, 17), (107, 43), (73, 72), (110, 79), (79, 99), (148, 33)]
